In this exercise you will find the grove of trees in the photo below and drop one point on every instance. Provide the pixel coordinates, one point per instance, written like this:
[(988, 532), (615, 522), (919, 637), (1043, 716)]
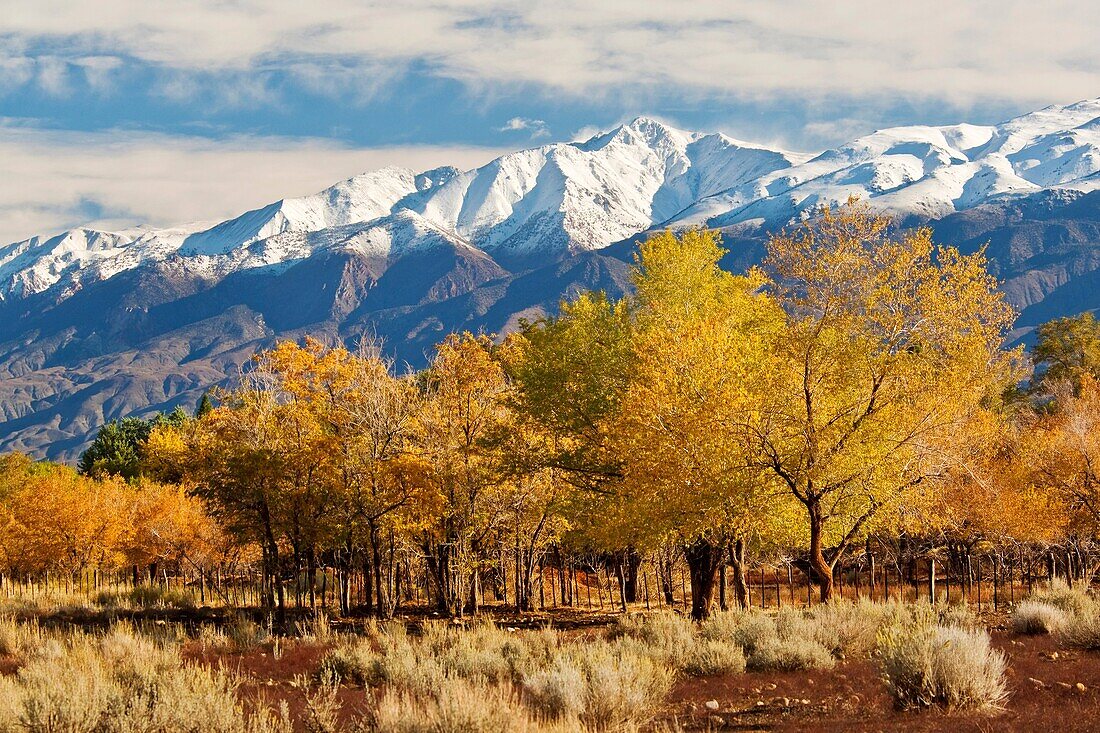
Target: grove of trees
[(856, 387)]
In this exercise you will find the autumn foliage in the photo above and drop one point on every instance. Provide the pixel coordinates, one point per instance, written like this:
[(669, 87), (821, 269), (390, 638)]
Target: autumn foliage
[(856, 386)]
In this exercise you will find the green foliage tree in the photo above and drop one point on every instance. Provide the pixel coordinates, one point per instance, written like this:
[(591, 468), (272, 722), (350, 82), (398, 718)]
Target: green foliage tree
[(119, 446), (1067, 349), (205, 406)]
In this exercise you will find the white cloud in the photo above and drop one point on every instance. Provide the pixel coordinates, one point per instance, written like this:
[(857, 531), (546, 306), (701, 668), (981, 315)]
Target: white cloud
[(1011, 49), (52, 180), (537, 128)]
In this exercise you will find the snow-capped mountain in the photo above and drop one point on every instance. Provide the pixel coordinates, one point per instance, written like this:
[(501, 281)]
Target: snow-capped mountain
[(544, 202), (95, 325), (925, 172)]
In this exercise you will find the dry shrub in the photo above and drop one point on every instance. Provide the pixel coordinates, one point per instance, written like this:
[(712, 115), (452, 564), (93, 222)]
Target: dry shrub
[(1037, 617), (786, 641), (605, 686), (121, 682), (245, 634), (1082, 631), (17, 638), (927, 665), (709, 657), (667, 635), (318, 628), (849, 629), (749, 630), (457, 706), (1073, 601), (322, 710), (484, 653), (790, 654)]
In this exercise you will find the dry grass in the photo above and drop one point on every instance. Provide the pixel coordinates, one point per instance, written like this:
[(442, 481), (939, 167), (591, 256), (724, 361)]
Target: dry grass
[(786, 641), (121, 682), (1082, 631), (1073, 601), (448, 677)]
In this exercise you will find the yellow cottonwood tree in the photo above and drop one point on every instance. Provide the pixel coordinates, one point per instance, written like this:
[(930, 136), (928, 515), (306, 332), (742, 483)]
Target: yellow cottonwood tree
[(892, 346), (463, 414), (703, 342), (1064, 454)]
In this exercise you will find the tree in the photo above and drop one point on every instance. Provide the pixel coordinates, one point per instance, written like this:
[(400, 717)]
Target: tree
[(118, 447), (703, 341), (1068, 349), (259, 461), (892, 345), (570, 372), (205, 406), (369, 415), (463, 412), (56, 519), (1064, 454)]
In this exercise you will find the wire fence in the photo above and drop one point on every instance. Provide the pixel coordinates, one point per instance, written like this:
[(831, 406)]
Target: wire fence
[(983, 582)]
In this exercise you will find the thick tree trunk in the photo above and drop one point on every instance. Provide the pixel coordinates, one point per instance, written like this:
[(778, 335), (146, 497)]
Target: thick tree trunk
[(438, 556), (822, 570), (740, 573), (703, 559), (627, 569)]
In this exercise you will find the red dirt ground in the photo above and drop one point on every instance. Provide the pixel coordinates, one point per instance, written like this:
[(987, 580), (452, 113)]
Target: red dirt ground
[(1043, 678), (851, 697)]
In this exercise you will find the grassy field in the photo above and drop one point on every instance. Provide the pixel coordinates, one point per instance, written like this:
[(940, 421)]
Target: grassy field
[(141, 663)]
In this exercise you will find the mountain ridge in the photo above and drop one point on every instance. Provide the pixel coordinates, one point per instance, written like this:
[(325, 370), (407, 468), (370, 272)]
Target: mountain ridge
[(97, 325)]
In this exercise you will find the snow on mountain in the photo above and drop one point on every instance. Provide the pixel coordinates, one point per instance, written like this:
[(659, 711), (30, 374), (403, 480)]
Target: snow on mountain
[(64, 261), (544, 203), (394, 236), (583, 196), (925, 172), (358, 199)]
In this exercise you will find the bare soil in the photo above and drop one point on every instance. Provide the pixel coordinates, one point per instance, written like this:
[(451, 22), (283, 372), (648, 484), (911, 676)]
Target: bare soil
[(1054, 689), (1043, 678)]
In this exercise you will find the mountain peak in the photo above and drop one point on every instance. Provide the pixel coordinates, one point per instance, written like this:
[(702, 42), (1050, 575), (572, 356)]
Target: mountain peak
[(654, 131)]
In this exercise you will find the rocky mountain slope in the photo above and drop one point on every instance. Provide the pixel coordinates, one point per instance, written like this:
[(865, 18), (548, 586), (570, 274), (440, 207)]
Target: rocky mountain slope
[(96, 325)]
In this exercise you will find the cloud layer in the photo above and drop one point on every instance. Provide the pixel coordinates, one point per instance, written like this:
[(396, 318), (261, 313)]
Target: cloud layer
[(149, 110), (1017, 49), (112, 179)]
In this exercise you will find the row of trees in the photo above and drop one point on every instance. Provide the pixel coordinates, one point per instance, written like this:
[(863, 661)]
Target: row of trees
[(855, 386), (803, 405)]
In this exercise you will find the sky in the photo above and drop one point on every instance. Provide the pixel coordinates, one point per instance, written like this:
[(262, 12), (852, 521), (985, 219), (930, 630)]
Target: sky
[(119, 112)]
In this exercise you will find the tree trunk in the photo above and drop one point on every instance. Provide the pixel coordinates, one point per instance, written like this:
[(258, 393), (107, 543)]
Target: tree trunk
[(627, 570), (368, 585), (822, 570), (703, 559), (740, 573), (664, 572)]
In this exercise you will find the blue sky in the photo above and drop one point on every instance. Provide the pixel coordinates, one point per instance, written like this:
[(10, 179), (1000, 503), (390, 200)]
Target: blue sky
[(125, 111)]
